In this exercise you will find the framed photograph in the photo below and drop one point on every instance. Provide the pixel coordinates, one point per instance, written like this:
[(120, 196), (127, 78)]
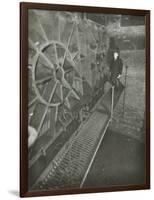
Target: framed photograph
[(84, 99)]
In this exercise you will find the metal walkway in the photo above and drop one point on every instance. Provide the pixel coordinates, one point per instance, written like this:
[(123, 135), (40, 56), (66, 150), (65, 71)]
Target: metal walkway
[(71, 165)]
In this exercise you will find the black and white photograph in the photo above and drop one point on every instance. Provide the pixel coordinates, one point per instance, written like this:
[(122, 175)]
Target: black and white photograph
[(86, 100)]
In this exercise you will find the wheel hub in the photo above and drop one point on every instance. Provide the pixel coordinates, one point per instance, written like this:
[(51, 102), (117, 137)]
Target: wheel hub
[(59, 74)]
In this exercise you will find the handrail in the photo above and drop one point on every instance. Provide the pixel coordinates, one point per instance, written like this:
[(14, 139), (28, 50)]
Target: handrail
[(99, 143), (94, 155), (112, 102), (124, 96)]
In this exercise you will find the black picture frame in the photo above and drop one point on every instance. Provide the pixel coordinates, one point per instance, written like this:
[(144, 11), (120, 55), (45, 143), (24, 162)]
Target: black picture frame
[(24, 7)]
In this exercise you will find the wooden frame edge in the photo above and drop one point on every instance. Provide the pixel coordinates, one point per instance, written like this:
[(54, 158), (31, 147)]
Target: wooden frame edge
[(24, 6)]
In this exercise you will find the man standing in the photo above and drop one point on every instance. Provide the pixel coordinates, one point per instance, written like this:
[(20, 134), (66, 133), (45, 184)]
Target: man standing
[(116, 67)]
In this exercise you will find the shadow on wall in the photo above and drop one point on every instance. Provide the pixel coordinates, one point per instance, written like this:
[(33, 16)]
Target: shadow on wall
[(14, 192)]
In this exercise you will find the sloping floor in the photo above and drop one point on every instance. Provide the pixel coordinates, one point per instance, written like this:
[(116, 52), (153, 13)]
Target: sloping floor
[(119, 161)]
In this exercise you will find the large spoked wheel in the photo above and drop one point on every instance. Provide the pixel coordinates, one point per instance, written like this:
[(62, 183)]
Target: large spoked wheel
[(52, 76), (57, 73)]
